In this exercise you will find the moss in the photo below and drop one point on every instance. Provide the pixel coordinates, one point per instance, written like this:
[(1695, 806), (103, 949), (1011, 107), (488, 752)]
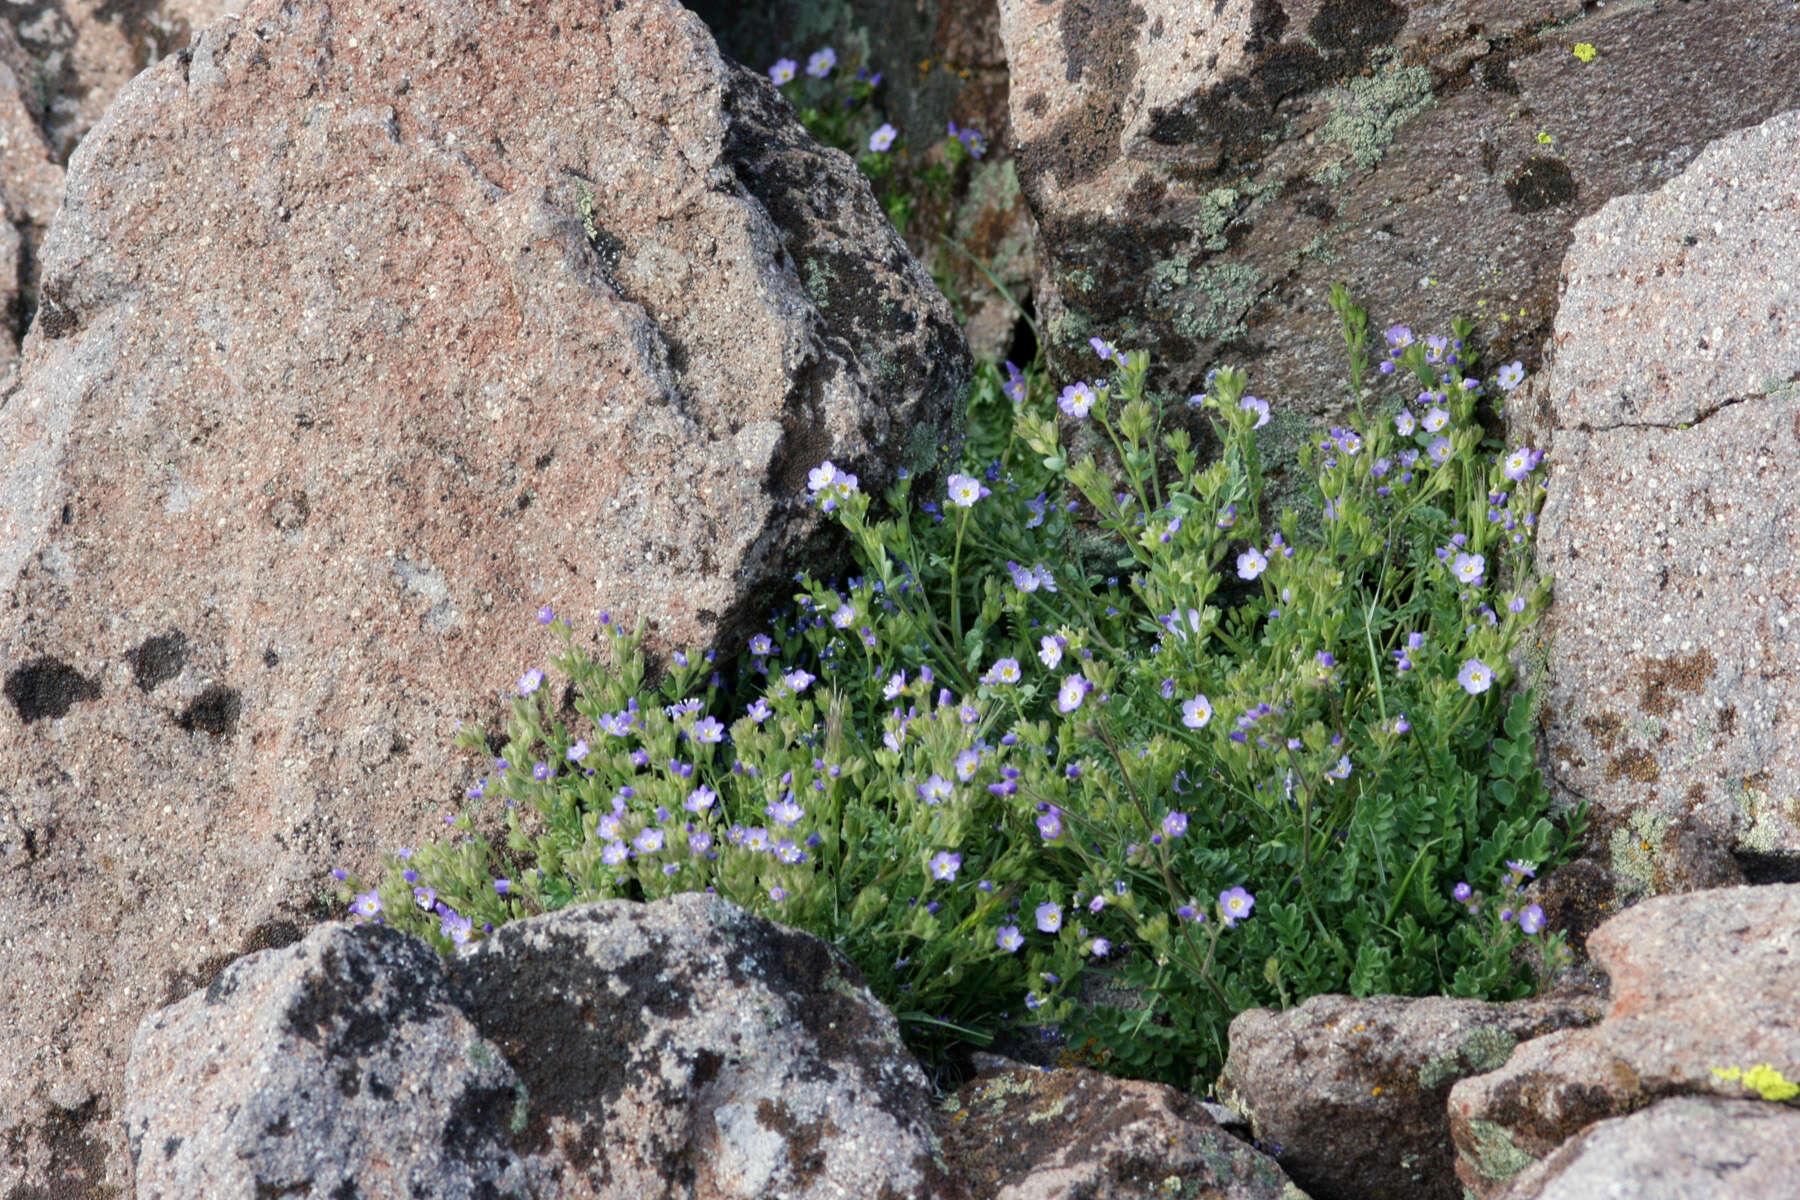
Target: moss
[(1370, 109)]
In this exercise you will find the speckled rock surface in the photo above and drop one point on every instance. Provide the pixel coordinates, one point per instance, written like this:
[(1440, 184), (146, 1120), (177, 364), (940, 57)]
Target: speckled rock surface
[(338, 1067), (1672, 407), (1683, 1149), (616, 1051), (365, 334), (1701, 983), (940, 61), (1202, 173), (1028, 1133), (1350, 1093)]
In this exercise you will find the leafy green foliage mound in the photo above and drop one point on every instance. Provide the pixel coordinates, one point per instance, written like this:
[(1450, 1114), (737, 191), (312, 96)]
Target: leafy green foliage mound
[(1087, 717)]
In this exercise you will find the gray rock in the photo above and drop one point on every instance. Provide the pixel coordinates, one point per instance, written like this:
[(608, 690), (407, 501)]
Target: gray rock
[(1349, 1094), (678, 1049), (1688, 1148), (337, 1067), (449, 312), (1672, 407)]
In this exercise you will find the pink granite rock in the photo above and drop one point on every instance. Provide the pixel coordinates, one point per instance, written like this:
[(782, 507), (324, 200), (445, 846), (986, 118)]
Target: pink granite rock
[(1349, 1094), (1689, 1148), (366, 332), (1671, 406), (1703, 984), (1027, 1133)]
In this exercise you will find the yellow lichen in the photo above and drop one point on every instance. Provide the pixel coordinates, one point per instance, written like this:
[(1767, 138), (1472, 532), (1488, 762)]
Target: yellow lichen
[(1763, 1079)]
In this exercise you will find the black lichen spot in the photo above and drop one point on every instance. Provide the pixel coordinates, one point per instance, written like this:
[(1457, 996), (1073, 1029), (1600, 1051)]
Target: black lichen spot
[(338, 1007), (76, 1163), (543, 460), (47, 687), (157, 660), (68, 514), (170, 1147), (288, 513), (1353, 25), (213, 711), (1099, 50), (270, 658), (806, 1157), (1541, 183)]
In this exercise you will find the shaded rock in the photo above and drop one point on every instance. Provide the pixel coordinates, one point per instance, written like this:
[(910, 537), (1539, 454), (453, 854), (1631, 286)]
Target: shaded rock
[(31, 185), (469, 311), (1026, 1133), (1202, 173), (1350, 1093), (61, 64), (675, 1049), (1683, 1149), (81, 53), (1701, 983), (339, 1067), (1672, 405), (941, 61)]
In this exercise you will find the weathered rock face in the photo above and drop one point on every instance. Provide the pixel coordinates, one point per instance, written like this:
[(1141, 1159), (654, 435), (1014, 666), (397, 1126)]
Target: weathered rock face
[(941, 61), (1351, 1092), (1202, 173), (367, 332), (615, 1050), (1683, 1149), (1032, 1134), (1701, 983), (61, 64), (1672, 406)]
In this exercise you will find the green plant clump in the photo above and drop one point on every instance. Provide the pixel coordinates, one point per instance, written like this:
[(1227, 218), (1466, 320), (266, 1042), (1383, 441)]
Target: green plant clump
[(1083, 720)]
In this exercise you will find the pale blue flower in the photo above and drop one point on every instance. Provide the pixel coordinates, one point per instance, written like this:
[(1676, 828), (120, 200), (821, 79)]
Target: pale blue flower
[(530, 681), (1049, 917), (883, 138), (1511, 375), (936, 790), (1196, 713), (1251, 563), (1259, 407), (1476, 677), (965, 491), (1077, 399), (783, 71), (944, 865), (1236, 904), (821, 62), (1009, 939)]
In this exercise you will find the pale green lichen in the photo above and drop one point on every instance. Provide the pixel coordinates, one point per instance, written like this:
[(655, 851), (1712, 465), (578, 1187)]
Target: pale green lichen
[(1057, 1108), (1495, 1155), (1636, 848), (1210, 301), (1368, 111), (819, 280), (1481, 1050), (1217, 210), (1769, 823)]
